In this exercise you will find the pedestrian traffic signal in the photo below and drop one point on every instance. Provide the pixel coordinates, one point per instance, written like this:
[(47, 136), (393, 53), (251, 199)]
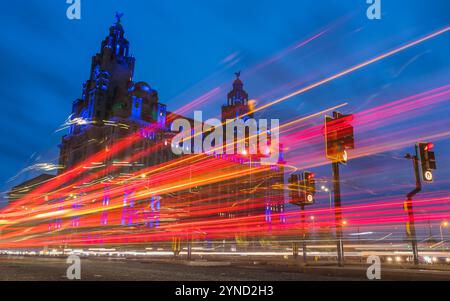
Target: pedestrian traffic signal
[(339, 136), (427, 160)]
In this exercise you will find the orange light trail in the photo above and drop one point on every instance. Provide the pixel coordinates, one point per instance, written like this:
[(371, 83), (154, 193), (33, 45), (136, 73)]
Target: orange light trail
[(352, 69)]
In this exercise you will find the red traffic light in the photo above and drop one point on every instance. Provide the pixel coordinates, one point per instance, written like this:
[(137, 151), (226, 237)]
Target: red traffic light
[(429, 147), (310, 176), (427, 160)]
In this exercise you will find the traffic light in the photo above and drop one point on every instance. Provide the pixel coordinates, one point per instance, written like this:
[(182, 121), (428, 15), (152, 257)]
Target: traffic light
[(310, 187), (427, 160), (339, 136), (294, 188), (302, 188)]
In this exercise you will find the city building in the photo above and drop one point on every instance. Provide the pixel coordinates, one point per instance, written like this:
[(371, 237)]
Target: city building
[(113, 108)]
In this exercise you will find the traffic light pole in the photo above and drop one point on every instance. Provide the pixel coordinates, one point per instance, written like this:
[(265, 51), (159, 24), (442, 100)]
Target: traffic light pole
[(338, 213), (189, 237), (302, 194), (410, 208), (339, 136), (295, 249), (303, 234), (189, 248)]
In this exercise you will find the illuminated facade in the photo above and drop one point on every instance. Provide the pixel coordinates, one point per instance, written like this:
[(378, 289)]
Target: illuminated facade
[(109, 194), (111, 107)]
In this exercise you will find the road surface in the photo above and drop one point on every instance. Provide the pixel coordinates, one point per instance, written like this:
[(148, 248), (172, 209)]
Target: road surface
[(54, 269)]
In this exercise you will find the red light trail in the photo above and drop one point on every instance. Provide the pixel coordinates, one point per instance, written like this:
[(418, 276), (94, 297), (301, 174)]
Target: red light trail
[(158, 203)]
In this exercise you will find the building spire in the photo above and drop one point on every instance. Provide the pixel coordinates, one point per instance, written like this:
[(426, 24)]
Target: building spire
[(119, 15), (237, 101), (238, 94), (116, 40)]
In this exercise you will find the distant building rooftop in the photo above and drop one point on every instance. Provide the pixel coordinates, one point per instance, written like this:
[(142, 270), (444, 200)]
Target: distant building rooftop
[(24, 188)]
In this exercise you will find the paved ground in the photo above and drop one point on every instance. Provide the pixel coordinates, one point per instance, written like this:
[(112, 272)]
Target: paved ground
[(54, 269), (36, 268)]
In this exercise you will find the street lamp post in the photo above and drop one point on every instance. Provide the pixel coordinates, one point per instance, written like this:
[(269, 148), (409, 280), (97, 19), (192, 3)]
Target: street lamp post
[(313, 219), (442, 225), (343, 226), (326, 189)]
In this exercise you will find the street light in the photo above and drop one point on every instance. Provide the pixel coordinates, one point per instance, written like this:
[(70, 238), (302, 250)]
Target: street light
[(313, 219), (326, 189)]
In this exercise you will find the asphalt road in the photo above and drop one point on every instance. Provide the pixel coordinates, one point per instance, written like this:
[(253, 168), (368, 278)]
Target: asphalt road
[(54, 269)]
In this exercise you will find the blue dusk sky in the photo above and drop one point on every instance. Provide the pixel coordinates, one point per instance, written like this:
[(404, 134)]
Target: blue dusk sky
[(184, 49)]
